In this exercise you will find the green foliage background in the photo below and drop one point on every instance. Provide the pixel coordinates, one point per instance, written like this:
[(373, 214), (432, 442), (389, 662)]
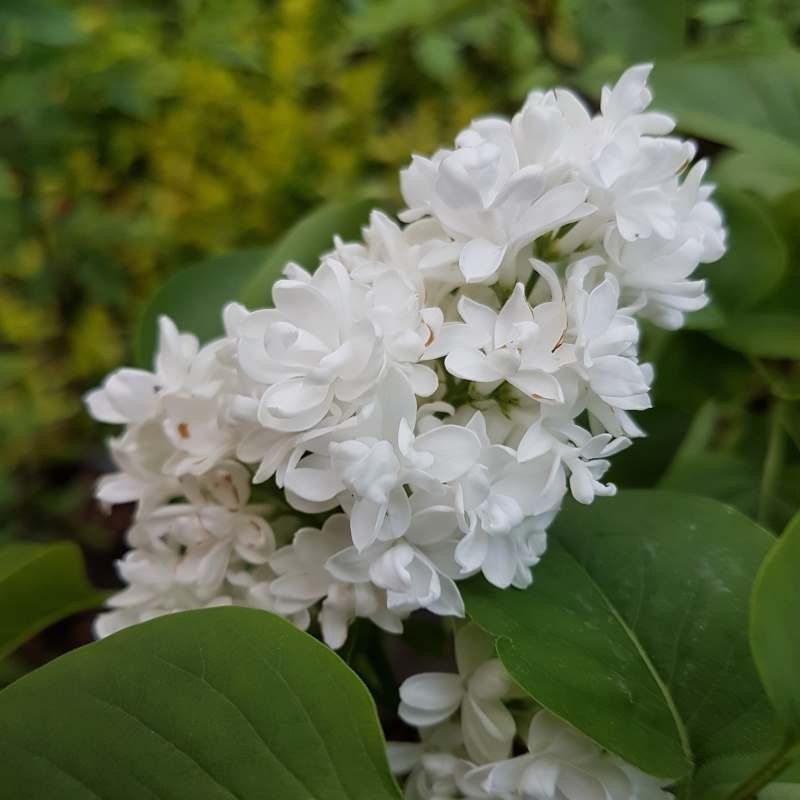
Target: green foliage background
[(138, 137)]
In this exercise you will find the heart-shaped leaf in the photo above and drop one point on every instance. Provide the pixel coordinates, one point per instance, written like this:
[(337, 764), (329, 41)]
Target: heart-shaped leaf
[(634, 629), (39, 585), (220, 703)]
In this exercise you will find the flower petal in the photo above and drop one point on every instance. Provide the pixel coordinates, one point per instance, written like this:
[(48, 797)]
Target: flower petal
[(480, 259)]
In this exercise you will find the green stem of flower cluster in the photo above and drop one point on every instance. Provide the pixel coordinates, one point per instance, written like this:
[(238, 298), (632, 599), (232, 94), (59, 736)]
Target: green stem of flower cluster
[(767, 772)]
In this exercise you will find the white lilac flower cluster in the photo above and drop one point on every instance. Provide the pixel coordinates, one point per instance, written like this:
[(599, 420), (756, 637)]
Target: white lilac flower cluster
[(468, 724), (417, 408)]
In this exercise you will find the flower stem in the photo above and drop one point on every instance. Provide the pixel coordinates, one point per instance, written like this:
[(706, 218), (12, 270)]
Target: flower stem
[(773, 462), (767, 772)]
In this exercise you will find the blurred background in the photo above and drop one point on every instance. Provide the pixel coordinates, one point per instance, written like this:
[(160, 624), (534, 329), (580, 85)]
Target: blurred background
[(137, 138)]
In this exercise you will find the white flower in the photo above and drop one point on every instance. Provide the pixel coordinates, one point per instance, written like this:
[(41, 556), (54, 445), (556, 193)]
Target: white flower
[(422, 252), (401, 301), (302, 580), (141, 454), (227, 485), (520, 344), (208, 538), (184, 555), (406, 329), (375, 457), (319, 355), (478, 690), (484, 199), (313, 349), (434, 766), (504, 508), (632, 176), (126, 396), (186, 395), (655, 272), (412, 579), (627, 163), (133, 395), (417, 570), (603, 340), (574, 452), (562, 763)]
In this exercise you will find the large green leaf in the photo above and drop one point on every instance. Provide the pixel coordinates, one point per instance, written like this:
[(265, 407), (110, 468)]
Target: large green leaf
[(305, 242), (194, 297), (634, 629), (39, 585), (774, 621), (220, 703)]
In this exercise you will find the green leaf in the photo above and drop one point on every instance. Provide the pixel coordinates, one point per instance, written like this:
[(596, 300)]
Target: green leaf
[(39, 585), (762, 334), (692, 368), (755, 262), (749, 102), (632, 29), (634, 629), (219, 703), (643, 464), (194, 297), (774, 623), (305, 242), (724, 476), (749, 171)]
